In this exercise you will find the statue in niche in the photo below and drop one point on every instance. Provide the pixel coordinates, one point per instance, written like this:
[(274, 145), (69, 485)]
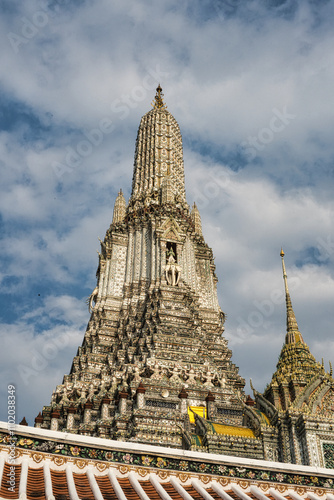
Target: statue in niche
[(172, 271), (170, 252)]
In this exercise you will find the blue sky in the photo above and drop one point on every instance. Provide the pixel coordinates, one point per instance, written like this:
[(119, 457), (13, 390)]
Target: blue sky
[(251, 85)]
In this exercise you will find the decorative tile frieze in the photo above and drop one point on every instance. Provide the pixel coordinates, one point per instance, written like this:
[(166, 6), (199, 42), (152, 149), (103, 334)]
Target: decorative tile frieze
[(61, 453)]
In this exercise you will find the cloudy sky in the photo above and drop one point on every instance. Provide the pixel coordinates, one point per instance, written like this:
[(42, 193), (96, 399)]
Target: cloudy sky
[(251, 85)]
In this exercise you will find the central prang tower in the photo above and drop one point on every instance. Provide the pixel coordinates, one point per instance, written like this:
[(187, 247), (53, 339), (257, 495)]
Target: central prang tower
[(154, 366)]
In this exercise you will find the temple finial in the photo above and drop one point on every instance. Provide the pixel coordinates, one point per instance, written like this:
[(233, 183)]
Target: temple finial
[(293, 334), (119, 208), (285, 278), (196, 218), (158, 100)]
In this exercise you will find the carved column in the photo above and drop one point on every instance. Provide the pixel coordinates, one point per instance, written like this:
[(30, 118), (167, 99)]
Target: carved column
[(140, 392), (183, 396), (39, 420), (210, 405), (55, 416), (129, 257), (294, 442), (70, 418), (153, 244), (162, 261), (87, 412), (105, 408), (275, 393), (123, 396), (285, 395)]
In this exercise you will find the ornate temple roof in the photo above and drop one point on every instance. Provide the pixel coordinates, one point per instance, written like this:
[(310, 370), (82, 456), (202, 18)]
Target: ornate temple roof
[(296, 363), (56, 466), (300, 384), (293, 335)]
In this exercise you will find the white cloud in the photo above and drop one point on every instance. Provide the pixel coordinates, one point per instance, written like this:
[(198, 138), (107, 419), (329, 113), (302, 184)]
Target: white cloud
[(38, 350)]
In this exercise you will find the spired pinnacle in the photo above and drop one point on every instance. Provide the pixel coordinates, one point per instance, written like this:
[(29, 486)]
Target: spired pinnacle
[(296, 365), (158, 100), (119, 208), (293, 334), (158, 164), (196, 218)]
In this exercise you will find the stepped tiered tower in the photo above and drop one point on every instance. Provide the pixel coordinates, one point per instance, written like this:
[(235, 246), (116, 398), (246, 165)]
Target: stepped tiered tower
[(154, 366), (154, 358)]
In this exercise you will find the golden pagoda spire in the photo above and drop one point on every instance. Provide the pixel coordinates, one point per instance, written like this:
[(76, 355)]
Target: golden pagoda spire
[(158, 100), (296, 365), (293, 334)]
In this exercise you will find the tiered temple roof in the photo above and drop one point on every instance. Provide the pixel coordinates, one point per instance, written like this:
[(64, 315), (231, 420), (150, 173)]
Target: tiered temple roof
[(296, 366), (56, 466)]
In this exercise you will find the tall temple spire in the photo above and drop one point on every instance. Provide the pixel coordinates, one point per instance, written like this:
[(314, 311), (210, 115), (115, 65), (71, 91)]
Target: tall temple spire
[(155, 336), (119, 208), (299, 400), (293, 334), (296, 365), (195, 215), (159, 154)]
